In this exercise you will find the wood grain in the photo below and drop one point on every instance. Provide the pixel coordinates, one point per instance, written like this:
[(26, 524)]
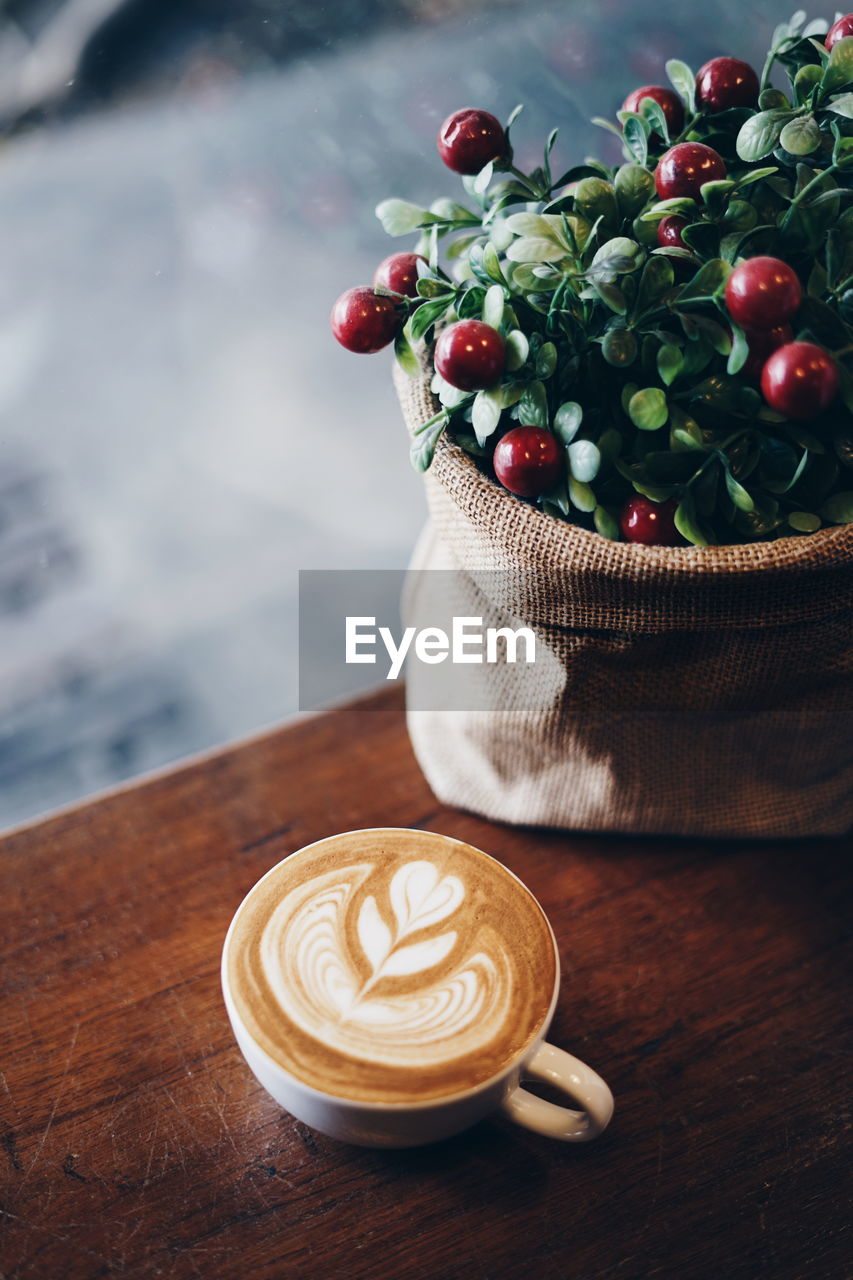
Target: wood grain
[(706, 982)]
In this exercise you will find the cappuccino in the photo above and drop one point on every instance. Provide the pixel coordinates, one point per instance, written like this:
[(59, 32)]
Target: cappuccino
[(391, 966)]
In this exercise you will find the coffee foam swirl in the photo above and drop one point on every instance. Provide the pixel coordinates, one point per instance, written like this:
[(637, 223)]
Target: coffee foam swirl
[(409, 1008), (391, 965)]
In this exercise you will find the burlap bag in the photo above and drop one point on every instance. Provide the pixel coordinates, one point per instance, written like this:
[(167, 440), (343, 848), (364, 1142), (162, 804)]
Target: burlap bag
[(694, 691)]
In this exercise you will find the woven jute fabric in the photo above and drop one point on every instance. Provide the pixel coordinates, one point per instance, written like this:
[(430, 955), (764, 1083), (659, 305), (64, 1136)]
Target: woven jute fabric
[(693, 691)]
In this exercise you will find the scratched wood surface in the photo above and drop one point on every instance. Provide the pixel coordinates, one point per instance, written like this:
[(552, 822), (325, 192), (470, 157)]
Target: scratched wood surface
[(706, 982)]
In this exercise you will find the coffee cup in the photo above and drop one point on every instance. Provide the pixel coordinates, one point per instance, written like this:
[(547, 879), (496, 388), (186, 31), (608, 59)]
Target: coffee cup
[(391, 987)]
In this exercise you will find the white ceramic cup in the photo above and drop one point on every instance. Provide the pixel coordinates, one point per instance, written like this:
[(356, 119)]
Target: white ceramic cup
[(409, 1124)]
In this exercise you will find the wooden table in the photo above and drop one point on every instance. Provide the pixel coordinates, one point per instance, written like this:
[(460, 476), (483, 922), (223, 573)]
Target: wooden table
[(705, 982)]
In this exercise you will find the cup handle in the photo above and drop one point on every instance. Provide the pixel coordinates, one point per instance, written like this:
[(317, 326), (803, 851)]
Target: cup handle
[(573, 1078)]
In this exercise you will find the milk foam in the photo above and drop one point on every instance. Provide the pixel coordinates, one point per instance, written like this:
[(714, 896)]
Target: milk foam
[(414, 992), (391, 965)]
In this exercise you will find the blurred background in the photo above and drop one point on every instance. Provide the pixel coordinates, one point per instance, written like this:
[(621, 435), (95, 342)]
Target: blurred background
[(185, 187)]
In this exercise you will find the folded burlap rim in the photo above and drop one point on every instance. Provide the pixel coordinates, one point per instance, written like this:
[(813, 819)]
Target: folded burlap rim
[(598, 582)]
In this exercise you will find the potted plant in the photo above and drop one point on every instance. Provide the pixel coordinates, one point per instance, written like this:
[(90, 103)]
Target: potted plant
[(632, 387)]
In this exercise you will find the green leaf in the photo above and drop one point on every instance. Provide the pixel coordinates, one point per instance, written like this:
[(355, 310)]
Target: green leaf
[(634, 188), (492, 264), (406, 357), (613, 297), (685, 439), (714, 194), (656, 281), (451, 397), (469, 305), (399, 217), (426, 438), (605, 524), (683, 81), (648, 409), (763, 520), (546, 360), (739, 352), (805, 81), (669, 363), (567, 421), (779, 462), (839, 69), (760, 134), (804, 521), (842, 106), (533, 406), (842, 152), (696, 326), (449, 211), (524, 277), (517, 350), (535, 249), (483, 178), (653, 113), (428, 287), (426, 316), (739, 496), (697, 355), (838, 509), (801, 136), (493, 306), (636, 131), (784, 486), (584, 460), (559, 498), (538, 225), (581, 495), (676, 204), (687, 523), (703, 238), (486, 413), (512, 117), (432, 256), (770, 99), (754, 175), (620, 254), (686, 432), (708, 281), (619, 348), (460, 246)]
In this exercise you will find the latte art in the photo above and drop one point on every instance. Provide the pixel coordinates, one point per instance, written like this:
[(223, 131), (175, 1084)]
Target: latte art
[(402, 1011), (391, 965)]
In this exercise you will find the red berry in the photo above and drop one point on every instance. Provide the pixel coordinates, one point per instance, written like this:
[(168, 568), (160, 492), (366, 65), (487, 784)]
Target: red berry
[(669, 232), (469, 139), (652, 523), (399, 272), (668, 101), (726, 82), (470, 355), (800, 380), (762, 344), (840, 30), (529, 461), (685, 167), (364, 321), (762, 293)]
